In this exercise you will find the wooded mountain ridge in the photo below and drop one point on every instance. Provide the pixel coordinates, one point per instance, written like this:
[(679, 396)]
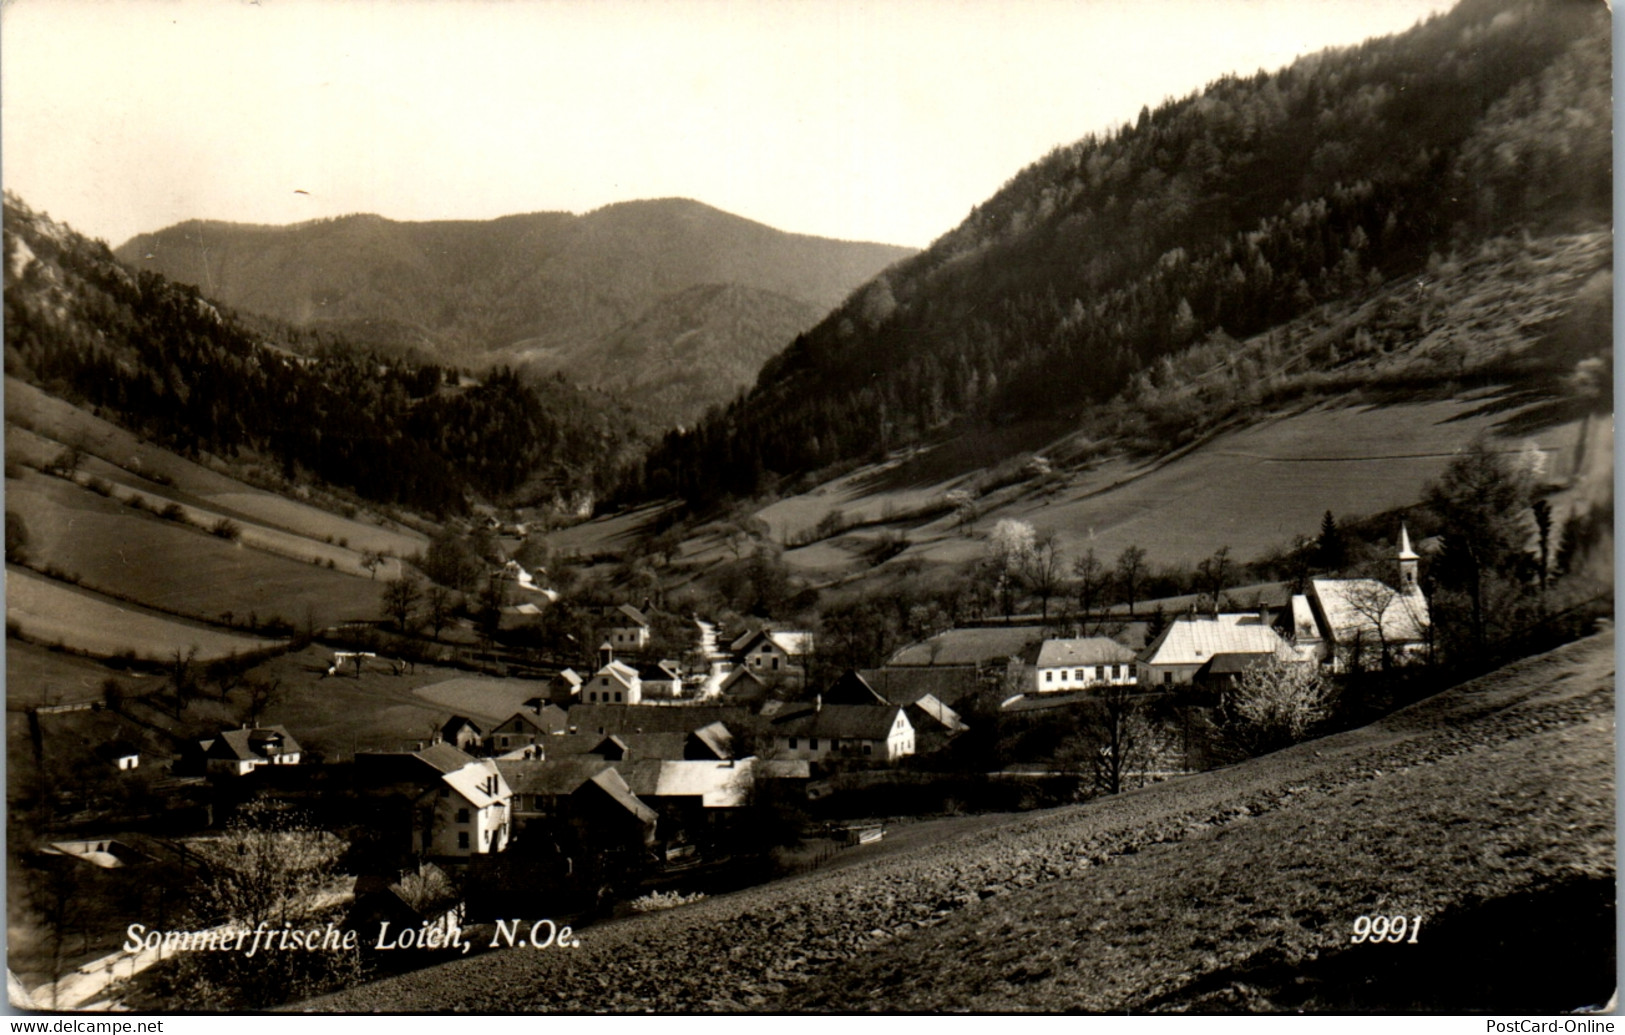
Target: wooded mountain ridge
[(1212, 218), (548, 289), (164, 361)]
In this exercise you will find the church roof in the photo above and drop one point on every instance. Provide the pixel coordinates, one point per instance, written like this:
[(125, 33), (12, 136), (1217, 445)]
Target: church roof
[(1352, 607)]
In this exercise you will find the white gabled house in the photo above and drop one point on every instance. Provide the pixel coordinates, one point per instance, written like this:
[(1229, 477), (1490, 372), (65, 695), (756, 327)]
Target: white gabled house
[(632, 631), (467, 813), (1057, 665), (769, 651), (615, 682), (880, 733)]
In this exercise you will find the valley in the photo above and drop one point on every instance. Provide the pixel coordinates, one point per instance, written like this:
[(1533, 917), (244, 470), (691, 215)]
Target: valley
[(1206, 543)]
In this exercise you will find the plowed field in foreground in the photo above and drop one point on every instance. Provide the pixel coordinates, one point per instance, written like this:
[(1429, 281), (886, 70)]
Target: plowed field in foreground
[(1488, 810)]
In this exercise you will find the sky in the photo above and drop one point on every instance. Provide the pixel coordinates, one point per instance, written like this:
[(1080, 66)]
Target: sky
[(877, 120)]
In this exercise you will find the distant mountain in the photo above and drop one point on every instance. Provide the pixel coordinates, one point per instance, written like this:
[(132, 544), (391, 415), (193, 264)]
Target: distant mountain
[(1081, 288), (547, 287), (694, 348), (169, 364)]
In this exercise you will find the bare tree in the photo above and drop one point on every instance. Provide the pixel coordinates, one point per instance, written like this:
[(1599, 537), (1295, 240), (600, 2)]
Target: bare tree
[(1130, 570), (1125, 741), (401, 598), (440, 601), (1090, 587), (1213, 573), (1043, 570)]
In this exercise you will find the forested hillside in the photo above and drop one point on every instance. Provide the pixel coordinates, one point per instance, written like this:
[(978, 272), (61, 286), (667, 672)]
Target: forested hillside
[(167, 363), (548, 289), (1210, 219)]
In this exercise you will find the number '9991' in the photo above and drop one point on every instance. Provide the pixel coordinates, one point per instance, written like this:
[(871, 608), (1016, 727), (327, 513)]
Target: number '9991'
[(1386, 929)]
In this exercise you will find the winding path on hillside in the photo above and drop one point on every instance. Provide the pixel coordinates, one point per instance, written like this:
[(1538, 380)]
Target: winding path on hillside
[(1220, 891)]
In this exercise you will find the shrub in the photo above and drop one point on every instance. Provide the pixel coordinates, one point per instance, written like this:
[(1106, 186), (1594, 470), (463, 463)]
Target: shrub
[(657, 900), (1275, 703), (173, 512), (226, 528)]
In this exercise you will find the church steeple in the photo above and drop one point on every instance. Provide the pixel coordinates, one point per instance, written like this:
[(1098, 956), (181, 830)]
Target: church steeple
[(1408, 559)]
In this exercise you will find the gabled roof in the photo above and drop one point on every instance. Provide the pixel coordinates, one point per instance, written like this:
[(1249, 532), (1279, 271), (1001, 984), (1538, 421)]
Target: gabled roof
[(250, 744), (658, 671), (456, 724), (1349, 607), (633, 615), (570, 676), (552, 777), (610, 782), (621, 672), (715, 740), (473, 781), (1091, 650), (443, 757), (852, 688), (928, 711), (1194, 641), (907, 684), (551, 720), (841, 721), (794, 644)]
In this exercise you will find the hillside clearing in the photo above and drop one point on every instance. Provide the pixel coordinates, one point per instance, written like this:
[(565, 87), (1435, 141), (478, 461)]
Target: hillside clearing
[(178, 568), (52, 612), (1466, 803), (1253, 489), (62, 423)]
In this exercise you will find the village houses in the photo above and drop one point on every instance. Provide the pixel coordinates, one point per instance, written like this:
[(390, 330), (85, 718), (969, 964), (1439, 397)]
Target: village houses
[(1056, 665)]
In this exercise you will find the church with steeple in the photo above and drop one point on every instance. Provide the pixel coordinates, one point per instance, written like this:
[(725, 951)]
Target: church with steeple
[(1363, 624)]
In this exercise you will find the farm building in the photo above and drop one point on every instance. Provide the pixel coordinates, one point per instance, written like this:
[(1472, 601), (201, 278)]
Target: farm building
[(1191, 643), (526, 729), (879, 732), (236, 752), (1056, 665)]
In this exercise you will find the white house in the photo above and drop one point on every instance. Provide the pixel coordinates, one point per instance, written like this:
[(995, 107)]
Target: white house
[(633, 631), (615, 682), (235, 752), (878, 732), (1057, 665), (769, 651), (468, 812)]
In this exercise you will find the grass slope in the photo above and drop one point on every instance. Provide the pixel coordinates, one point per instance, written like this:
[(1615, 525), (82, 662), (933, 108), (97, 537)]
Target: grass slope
[(53, 612), (178, 568), (1493, 799), (144, 467)]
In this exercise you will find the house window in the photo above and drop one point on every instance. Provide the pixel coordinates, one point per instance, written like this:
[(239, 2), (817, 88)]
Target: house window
[(868, 749), (462, 839), (812, 743), (1167, 678), (1049, 677), (775, 664), (445, 792), (462, 815), (617, 697), (793, 742)]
